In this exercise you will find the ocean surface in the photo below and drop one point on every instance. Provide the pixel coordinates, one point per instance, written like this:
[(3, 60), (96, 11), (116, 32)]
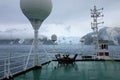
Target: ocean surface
[(50, 50)]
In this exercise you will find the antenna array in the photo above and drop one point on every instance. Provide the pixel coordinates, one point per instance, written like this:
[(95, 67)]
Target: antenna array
[(96, 14)]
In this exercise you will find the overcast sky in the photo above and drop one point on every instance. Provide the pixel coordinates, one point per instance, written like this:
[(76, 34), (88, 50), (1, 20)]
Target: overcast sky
[(68, 18)]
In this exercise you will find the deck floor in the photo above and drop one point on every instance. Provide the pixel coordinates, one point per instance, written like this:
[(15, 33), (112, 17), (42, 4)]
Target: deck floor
[(78, 71)]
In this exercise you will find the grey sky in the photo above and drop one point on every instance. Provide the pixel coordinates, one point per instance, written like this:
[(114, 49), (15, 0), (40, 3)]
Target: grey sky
[(68, 17)]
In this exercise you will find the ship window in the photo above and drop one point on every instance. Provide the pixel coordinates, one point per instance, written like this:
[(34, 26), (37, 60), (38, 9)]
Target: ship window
[(104, 46), (101, 54), (106, 53)]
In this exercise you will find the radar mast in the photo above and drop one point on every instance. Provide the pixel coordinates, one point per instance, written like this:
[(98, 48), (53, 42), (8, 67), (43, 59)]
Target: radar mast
[(96, 15)]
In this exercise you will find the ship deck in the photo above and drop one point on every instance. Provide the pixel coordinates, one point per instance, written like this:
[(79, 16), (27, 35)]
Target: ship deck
[(92, 70)]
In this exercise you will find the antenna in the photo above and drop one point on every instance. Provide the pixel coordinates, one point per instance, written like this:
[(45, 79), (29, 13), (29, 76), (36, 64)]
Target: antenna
[(96, 14), (36, 11), (93, 2)]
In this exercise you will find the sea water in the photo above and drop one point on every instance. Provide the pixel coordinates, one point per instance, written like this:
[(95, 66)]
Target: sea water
[(50, 50)]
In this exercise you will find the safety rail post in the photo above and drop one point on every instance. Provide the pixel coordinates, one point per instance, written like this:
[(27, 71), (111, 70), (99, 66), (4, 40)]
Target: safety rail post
[(7, 73), (8, 67), (24, 61), (5, 68)]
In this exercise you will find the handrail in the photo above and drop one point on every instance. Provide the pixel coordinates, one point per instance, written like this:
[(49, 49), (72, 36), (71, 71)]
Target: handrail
[(16, 67), (12, 57), (1, 71), (7, 63), (16, 62), (10, 63)]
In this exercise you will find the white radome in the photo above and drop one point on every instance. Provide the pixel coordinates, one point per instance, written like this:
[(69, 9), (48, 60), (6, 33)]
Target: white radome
[(53, 37), (36, 10)]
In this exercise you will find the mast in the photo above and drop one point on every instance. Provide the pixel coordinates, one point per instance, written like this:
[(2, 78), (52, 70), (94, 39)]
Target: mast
[(96, 14)]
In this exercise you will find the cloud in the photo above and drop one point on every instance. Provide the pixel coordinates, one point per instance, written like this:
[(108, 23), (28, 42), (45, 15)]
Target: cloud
[(58, 29), (16, 31), (10, 12), (68, 17), (68, 28)]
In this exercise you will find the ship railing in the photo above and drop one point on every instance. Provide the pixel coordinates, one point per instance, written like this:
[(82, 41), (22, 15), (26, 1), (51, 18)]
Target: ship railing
[(13, 65)]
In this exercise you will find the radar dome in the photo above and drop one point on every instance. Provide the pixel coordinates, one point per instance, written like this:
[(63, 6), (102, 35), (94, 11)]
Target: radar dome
[(53, 37), (36, 10)]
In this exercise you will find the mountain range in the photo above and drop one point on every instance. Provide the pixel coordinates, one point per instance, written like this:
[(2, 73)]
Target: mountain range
[(112, 34)]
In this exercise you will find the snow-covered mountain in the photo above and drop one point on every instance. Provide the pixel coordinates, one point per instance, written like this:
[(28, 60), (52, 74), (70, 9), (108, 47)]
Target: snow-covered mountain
[(24, 36), (107, 33), (69, 40), (14, 36)]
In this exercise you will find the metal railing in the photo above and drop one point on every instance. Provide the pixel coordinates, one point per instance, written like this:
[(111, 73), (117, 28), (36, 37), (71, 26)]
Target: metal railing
[(10, 66), (14, 64)]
